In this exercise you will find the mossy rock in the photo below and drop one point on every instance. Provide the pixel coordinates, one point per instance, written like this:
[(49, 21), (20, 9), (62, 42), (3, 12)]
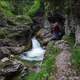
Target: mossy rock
[(70, 39), (20, 20), (23, 19), (3, 33)]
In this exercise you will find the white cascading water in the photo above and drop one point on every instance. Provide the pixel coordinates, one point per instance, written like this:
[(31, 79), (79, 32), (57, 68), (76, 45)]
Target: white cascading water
[(36, 53), (35, 43)]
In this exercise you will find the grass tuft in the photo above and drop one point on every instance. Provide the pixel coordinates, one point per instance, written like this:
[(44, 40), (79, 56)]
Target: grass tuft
[(76, 58)]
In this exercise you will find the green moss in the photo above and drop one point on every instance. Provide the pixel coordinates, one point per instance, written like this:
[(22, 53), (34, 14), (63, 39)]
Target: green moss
[(3, 33), (76, 58), (35, 7), (70, 39), (23, 19), (20, 20)]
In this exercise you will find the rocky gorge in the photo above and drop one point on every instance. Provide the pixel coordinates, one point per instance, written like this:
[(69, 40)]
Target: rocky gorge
[(39, 40), (15, 38)]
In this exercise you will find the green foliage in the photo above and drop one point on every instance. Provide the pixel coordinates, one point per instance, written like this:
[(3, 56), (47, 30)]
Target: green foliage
[(6, 7), (35, 7), (20, 7), (76, 58)]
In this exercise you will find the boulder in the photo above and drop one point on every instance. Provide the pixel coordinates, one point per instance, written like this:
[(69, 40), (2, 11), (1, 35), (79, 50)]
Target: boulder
[(19, 20), (5, 59), (16, 50), (62, 44), (7, 42), (21, 37), (18, 31), (42, 33), (44, 36), (10, 69)]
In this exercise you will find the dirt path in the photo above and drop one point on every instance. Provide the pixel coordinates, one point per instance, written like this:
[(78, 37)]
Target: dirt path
[(63, 64)]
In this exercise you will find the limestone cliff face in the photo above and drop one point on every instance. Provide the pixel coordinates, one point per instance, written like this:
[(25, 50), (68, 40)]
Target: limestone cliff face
[(76, 14)]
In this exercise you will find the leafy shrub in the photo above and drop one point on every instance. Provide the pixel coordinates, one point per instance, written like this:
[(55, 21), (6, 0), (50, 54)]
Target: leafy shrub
[(34, 8), (6, 7)]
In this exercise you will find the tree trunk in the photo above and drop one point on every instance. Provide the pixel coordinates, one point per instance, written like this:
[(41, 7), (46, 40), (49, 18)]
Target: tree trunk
[(77, 34), (67, 25)]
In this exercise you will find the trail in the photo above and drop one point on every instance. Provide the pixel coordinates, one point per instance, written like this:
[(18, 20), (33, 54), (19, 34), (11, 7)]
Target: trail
[(64, 70)]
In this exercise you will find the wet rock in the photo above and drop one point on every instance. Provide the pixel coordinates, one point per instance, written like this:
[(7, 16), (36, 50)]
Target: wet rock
[(42, 33), (8, 42), (44, 36), (22, 36), (16, 50), (12, 46), (10, 69), (7, 51), (4, 52), (5, 59), (45, 41), (15, 41)]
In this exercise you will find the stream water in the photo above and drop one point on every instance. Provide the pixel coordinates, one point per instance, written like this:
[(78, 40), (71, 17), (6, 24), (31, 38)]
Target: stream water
[(36, 53)]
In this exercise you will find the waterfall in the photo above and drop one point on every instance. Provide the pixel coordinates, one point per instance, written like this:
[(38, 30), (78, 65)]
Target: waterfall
[(35, 43), (36, 53)]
